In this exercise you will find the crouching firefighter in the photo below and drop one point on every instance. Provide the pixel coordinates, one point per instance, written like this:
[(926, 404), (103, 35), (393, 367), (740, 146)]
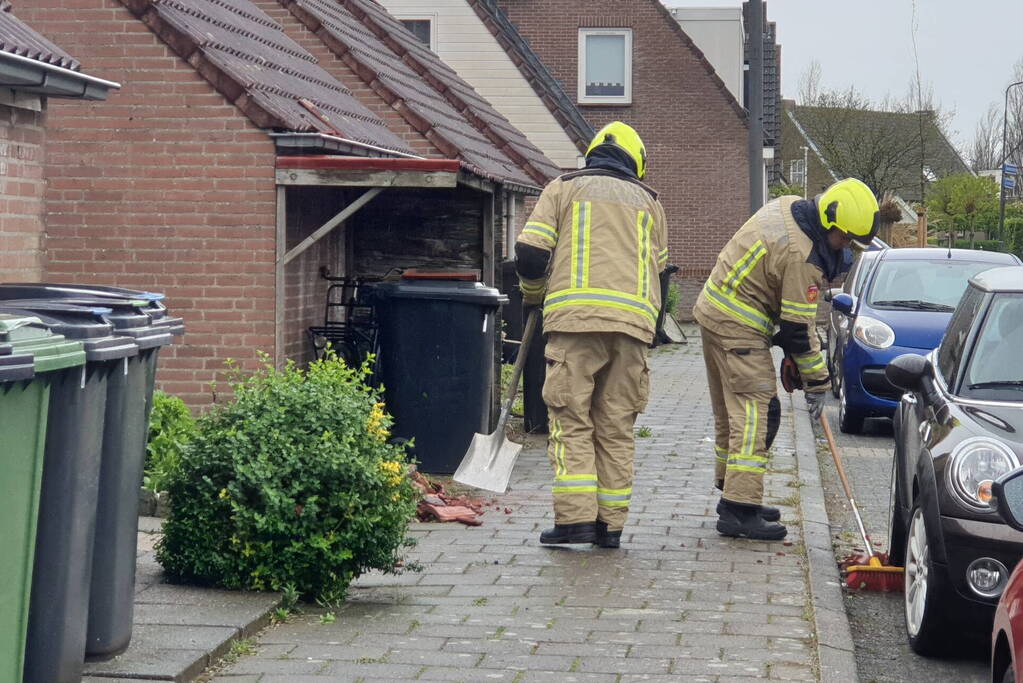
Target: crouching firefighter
[(591, 253), (770, 273)]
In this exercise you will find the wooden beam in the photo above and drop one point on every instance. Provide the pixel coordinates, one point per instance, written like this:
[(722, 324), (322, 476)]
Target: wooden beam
[(475, 182), (325, 229), (279, 279), (489, 241), (334, 177)]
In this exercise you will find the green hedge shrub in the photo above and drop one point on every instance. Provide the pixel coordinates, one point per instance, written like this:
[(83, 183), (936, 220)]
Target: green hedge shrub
[(171, 426), (293, 483)]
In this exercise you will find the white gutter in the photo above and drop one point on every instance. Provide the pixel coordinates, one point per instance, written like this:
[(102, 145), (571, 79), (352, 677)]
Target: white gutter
[(68, 73)]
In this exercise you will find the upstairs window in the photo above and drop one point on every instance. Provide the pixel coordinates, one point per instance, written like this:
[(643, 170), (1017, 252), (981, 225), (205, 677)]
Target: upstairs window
[(605, 66), (421, 29)]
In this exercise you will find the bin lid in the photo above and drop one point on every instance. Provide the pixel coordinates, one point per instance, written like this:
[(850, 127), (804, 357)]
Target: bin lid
[(444, 290), (50, 352), (15, 366), (128, 316), (85, 324), (463, 275), (154, 308)]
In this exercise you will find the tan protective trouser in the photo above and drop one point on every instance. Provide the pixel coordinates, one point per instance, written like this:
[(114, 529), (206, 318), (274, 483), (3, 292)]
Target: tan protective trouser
[(596, 384), (742, 386)]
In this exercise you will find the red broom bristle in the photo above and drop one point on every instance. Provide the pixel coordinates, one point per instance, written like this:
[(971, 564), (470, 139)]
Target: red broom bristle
[(867, 578)]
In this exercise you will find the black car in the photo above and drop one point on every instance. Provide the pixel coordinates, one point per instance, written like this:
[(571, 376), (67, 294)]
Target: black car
[(959, 428)]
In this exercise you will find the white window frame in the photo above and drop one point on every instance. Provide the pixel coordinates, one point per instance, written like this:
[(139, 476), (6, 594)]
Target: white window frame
[(604, 99), (432, 18)]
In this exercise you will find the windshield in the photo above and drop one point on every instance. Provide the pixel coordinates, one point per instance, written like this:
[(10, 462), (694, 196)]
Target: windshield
[(922, 285), (996, 366)]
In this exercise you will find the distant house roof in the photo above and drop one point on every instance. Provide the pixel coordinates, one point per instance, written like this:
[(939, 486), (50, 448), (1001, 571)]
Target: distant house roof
[(835, 133), (276, 83), (422, 106), (31, 63), (460, 94), (535, 72)]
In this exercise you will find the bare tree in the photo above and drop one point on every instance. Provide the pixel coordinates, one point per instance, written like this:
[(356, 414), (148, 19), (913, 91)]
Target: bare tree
[(810, 84), (986, 151)]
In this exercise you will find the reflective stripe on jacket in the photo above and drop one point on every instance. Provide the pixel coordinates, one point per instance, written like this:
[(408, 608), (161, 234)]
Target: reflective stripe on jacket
[(763, 275), (608, 239)]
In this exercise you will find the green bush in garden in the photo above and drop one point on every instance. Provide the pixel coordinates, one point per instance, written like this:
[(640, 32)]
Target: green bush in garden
[(171, 426), (673, 299), (293, 483)]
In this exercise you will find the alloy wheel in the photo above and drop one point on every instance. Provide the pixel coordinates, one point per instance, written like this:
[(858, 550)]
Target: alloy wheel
[(917, 566)]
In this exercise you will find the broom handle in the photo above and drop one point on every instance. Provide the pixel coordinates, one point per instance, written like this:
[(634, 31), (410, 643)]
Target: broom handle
[(845, 482), (520, 362)]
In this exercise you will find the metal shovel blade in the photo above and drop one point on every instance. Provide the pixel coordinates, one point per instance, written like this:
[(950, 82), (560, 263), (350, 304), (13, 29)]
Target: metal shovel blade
[(488, 463)]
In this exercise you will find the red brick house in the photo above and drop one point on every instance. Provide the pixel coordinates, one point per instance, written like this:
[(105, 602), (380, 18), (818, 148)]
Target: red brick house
[(33, 71), (633, 62), (208, 175)]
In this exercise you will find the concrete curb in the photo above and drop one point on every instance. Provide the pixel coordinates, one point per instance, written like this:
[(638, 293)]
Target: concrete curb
[(835, 650)]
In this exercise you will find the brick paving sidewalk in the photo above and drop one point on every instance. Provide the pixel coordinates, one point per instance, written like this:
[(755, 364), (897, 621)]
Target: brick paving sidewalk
[(676, 603)]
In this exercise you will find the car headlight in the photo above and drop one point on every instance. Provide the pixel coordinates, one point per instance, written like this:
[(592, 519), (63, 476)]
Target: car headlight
[(977, 462), (873, 333)]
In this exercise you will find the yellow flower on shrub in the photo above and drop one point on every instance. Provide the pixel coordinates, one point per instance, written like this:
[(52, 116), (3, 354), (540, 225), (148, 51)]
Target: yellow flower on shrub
[(394, 471), (375, 423)]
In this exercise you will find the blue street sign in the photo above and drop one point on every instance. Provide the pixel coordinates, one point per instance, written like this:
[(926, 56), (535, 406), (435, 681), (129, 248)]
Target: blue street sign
[(1008, 183), (1010, 169)]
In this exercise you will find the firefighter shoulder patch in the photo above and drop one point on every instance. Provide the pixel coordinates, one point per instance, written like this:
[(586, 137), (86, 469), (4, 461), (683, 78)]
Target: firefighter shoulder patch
[(812, 292)]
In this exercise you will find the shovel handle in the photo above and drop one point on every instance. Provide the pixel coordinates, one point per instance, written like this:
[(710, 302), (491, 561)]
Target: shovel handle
[(845, 481), (520, 362)]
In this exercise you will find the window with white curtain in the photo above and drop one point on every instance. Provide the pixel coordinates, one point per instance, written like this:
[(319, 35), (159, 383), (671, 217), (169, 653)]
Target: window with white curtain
[(605, 66)]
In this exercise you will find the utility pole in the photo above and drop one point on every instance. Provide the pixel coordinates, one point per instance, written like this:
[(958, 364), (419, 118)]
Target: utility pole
[(755, 144)]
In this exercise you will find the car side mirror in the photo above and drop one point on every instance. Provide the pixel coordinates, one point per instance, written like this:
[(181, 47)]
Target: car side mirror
[(909, 372), (832, 293), (843, 303), (1007, 494)]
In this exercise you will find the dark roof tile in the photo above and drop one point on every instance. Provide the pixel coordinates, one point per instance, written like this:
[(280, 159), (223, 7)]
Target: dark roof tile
[(277, 83), (420, 104), (18, 38)]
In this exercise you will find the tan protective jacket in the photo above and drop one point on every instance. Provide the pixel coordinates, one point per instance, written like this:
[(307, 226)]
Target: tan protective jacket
[(763, 275), (608, 238)]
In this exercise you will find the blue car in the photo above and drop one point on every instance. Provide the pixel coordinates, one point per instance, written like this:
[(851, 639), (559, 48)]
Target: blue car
[(901, 303)]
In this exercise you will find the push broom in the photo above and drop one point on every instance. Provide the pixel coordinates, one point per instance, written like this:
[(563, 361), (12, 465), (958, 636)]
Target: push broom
[(867, 571)]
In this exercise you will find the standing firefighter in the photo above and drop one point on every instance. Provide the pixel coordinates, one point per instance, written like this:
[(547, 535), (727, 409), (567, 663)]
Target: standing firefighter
[(591, 252), (770, 272)]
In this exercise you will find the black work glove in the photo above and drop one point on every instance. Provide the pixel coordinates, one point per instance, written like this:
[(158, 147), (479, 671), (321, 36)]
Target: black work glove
[(815, 403)]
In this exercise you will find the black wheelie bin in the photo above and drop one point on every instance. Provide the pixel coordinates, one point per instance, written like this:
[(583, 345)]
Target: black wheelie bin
[(437, 363), (40, 384), (58, 615)]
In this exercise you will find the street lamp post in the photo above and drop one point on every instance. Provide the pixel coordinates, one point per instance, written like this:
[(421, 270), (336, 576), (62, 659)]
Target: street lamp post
[(1005, 157)]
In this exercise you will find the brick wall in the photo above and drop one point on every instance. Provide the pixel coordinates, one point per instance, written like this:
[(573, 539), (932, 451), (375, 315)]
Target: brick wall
[(695, 138), (165, 186), (21, 194)]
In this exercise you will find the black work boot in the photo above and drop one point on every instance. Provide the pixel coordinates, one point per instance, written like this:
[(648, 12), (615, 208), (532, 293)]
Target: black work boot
[(582, 532), (768, 513), (743, 520), (607, 539)]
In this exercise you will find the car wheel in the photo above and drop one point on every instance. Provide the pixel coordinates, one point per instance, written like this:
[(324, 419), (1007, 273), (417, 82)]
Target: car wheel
[(849, 421), (896, 523), (924, 598)]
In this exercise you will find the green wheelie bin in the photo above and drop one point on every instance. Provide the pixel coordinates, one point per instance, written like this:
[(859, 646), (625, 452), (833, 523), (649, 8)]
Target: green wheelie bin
[(25, 422)]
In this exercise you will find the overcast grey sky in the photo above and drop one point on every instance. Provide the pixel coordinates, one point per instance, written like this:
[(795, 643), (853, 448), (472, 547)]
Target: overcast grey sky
[(966, 48)]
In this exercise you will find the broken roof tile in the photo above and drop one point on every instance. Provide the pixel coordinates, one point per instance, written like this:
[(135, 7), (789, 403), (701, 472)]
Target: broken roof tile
[(247, 56)]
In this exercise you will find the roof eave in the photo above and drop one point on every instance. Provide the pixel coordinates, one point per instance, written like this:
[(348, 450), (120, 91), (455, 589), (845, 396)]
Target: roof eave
[(30, 75)]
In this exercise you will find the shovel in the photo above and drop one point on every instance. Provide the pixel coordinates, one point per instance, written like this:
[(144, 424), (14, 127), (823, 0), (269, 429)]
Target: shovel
[(489, 461)]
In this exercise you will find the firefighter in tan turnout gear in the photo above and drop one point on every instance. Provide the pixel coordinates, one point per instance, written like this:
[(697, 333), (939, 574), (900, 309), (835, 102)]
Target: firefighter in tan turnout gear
[(770, 273), (591, 253)]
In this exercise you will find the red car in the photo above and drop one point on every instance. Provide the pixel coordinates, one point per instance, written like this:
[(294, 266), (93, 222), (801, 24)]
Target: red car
[(1007, 633)]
